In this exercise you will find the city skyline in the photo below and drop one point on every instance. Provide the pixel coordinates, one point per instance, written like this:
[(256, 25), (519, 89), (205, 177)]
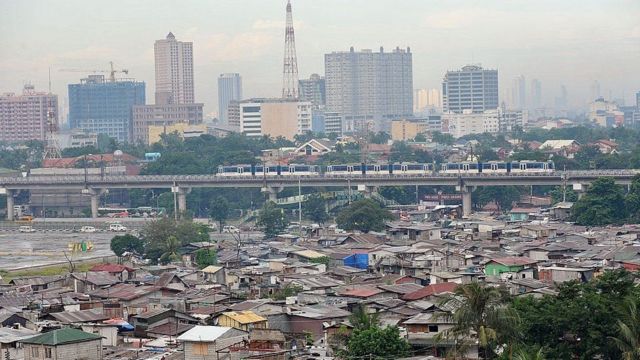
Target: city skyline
[(573, 48)]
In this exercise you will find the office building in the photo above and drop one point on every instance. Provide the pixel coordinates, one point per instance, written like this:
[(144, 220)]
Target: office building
[(594, 90), (76, 138), (25, 117), (313, 90), (183, 130), (105, 107), (233, 116), (229, 89), (332, 123), (518, 95), (145, 116), (490, 121), (174, 71), (368, 86), (638, 100), (536, 94), (275, 117), (408, 129), (605, 113), (471, 88)]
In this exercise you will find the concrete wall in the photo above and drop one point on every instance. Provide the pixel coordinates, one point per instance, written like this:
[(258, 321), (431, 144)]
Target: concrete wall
[(87, 350), (280, 119), (194, 350)]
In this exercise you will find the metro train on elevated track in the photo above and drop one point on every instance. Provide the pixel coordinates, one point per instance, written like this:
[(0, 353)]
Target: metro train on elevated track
[(491, 167)]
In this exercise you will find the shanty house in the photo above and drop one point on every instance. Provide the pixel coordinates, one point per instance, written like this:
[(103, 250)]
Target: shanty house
[(66, 343)]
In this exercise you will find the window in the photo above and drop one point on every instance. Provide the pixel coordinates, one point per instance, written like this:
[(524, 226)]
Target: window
[(200, 348), (47, 353), (433, 328), (34, 352)]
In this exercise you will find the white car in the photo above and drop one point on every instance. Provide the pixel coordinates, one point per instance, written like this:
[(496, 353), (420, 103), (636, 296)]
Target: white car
[(230, 229), (26, 229), (117, 227), (87, 229)]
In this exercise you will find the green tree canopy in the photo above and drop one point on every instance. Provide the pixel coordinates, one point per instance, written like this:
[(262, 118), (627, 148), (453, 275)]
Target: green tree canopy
[(206, 257), (315, 209), (127, 243), (603, 204), (219, 210), (503, 196), (272, 219), (364, 215), (156, 235), (376, 343)]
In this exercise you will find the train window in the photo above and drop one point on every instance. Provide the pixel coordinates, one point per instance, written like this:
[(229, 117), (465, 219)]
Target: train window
[(465, 167), (523, 166), (494, 166), (349, 168), (376, 168), (240, 169)]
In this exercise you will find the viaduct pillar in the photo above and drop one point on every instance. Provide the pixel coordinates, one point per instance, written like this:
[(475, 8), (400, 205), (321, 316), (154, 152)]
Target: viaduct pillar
[(10, 205)]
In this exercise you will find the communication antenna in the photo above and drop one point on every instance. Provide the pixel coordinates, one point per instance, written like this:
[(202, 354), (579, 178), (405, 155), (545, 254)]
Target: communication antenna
[(52, 147), (290, 64)]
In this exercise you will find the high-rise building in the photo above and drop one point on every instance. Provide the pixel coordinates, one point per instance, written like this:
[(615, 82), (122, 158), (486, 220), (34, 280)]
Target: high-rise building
[(638, 100), (471, 88), (490, 121), (536, 94), (145, 116), (313, 90), (518, 95), (594, 90), (229, 89), (368, 85), (420, 100), (105, 107), (25, 117), (174, 71), (435, 100), (275, 117)]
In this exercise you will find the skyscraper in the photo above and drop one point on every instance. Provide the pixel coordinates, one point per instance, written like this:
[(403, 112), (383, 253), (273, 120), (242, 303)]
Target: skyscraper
[(518, 95), (369, 86), (102, 107), (174, 71), (24, 117), (471, 88), (594, 90), (229, 89), (638, 100), (313, 89), (536, 94)]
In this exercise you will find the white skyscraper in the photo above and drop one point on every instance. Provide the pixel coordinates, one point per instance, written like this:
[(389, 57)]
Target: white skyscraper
[(471, 88), (518, 96), (229, 89), (536, 94), (174, 71)]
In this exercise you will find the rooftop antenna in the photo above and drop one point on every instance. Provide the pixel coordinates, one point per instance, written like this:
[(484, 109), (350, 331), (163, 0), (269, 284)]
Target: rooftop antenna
[(52, 147)]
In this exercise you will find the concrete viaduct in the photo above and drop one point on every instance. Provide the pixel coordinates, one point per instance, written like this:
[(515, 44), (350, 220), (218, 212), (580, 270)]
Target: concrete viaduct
[(94, 186)]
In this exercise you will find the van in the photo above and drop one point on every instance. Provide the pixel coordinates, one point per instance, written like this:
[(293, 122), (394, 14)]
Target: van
[(26, 229), (117, 227), (230, 229), (87, 229)]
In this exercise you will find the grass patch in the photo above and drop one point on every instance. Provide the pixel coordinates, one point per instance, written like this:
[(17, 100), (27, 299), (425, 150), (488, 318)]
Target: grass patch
[(45, 271)]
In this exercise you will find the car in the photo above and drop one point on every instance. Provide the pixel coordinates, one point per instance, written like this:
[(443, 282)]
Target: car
[(87, 229), (26, 229), (230, 229), (117, 227)]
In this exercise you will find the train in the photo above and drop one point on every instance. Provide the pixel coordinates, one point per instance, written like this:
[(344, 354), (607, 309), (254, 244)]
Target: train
[(491, 167)]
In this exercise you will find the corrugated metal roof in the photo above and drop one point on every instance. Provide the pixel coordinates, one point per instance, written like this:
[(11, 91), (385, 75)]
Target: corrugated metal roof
[(71, 317), (212, 269), (204, 333), (62, 336), (244, 317), (309, 254)]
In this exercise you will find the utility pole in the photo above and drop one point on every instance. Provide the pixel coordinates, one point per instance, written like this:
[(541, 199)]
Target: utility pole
[(299, 208)]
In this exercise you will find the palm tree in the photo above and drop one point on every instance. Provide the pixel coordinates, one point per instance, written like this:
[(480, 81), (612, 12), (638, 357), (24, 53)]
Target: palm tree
[(523, 354), (360, 319), (171, 247), (628, 339), (481, 312)]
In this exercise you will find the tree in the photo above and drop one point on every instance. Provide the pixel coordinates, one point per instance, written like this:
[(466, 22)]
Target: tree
[(360, 319), (603, 204), (219, 210), (628, 338), (380, 137), (156, 235), (364, 215), (482, 312), (170, 248), (504, 196), (315, 209), (121, 244), (632, 200), (557, 194), (444, 139), (272, 219), (529, 354), (376, 343), (206, 257), (420, 138), (287, 291)]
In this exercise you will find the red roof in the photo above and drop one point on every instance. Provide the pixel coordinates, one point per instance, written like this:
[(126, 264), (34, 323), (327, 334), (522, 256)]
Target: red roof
[(514, 260), (362, 292), (429, 290), (111, 268)]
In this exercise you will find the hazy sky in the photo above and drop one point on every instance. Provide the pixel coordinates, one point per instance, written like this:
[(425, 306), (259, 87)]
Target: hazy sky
[(570, 42)]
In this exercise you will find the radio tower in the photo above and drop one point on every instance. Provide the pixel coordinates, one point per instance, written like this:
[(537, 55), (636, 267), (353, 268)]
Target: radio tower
[(290, 69), (51, 146)]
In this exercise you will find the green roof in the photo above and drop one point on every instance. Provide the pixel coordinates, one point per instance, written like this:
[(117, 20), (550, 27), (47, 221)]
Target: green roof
[(62, 336)]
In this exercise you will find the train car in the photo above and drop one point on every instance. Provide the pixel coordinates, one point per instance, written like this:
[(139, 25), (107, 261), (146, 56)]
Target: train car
[(493, 167), (235, 170), (300, 170), (526, 166), (460, 168), (416, 169)]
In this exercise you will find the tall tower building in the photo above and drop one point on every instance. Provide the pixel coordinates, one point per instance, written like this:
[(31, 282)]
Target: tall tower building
[(518, 95), (536, 94), (290, 66), (105, 107), (25, 117), (229, 89), (594, 90), (367, 86), (471, 88), (313, 89), (174, 71)]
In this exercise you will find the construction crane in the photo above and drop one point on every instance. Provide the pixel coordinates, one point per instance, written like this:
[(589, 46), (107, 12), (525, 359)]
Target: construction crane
[(112, 72)]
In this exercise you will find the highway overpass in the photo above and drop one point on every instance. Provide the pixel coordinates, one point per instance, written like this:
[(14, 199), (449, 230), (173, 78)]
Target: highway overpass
[(181, 184)]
